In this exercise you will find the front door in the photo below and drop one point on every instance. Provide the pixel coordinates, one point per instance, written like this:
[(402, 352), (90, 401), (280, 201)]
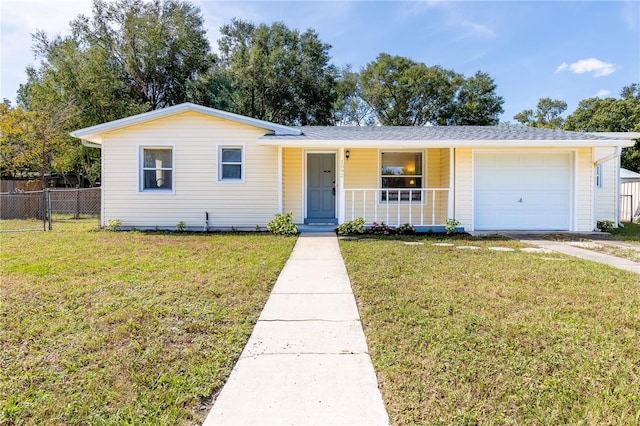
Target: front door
[(321, 188)]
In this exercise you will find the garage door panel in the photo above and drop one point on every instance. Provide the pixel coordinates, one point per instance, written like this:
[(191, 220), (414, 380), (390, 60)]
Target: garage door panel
[(522, 191)]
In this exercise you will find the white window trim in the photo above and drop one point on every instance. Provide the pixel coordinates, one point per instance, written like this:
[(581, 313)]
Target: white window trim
[(243, 164), (141, 188), (423, 196), (599, 176)]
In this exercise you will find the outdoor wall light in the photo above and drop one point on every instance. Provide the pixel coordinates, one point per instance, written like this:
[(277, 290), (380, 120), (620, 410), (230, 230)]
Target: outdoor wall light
[(347, 154)]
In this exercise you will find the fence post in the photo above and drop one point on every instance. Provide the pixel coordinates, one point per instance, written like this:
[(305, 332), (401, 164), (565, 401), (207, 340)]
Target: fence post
[(49, 207)]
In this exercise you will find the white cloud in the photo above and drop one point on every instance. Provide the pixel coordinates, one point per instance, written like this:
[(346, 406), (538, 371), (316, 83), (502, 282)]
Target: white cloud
[(603, 93), (599, 68)]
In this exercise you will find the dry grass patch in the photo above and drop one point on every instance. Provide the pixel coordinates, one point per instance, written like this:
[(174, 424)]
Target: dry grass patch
[(488, 337), (125, 328)]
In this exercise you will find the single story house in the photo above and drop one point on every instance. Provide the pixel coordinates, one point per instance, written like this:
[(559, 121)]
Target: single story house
[(215, 170)]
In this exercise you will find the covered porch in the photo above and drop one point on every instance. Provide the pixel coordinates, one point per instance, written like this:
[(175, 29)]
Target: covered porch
[(394, 185)]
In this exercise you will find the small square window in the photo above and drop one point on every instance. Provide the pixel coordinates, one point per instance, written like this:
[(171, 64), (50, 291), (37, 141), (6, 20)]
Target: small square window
[(157, 169), (401, 176), (230, 164)]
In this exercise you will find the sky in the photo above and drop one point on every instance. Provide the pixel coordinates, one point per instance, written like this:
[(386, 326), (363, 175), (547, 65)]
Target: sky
[(566, 50)]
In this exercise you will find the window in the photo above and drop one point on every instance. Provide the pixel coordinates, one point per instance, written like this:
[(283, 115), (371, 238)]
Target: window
[(230, 168), (599, 176), (401, 170), (157, 169)]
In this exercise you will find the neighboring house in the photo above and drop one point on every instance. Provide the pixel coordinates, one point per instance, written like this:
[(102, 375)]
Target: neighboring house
[(189, 163), (629, 195)]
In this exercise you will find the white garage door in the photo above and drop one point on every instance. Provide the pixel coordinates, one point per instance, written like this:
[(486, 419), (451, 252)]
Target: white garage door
[(522, 191)]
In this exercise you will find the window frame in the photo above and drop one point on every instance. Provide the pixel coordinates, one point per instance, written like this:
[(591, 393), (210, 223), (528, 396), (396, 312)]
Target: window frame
[(598, 176), (422, 177), (141, 169), (220, 164)]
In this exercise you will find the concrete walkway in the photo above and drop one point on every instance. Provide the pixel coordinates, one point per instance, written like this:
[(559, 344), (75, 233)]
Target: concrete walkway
[(307, 361), (563, 247)]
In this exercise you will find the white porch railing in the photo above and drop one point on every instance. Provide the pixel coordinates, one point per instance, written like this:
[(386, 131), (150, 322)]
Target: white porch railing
[(394, 207)]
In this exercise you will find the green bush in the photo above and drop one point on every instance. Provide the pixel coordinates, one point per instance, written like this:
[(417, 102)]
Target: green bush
[(451, 225), (407, 229), (353, 227), (181, 226), (282, 224), (381, 229), (113, 225), (606, 225)]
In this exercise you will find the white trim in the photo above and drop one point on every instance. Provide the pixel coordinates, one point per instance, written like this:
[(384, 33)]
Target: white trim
[(424, 176), (280, 180), (304, 184), (140, 166), (93, 133), (243, 165), (340, 189), (450, 204)]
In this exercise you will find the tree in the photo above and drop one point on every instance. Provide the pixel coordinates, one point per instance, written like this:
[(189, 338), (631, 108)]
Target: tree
[(548, 114), (350, 109), (476, 103), (157, 47), (611, 115), (406, 93), (278, 74)]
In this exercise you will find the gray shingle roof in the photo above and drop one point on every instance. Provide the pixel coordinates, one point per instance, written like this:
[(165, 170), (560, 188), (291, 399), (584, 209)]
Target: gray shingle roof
[(435, 133)]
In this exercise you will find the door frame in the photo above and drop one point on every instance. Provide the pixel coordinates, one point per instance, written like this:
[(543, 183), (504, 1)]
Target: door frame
[(573, 200), (305, 188)]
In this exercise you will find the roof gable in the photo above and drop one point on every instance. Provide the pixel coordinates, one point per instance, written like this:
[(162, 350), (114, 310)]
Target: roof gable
[(93, 133)]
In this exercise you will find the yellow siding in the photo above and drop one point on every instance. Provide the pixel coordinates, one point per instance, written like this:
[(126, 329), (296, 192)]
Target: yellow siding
[(584, 190), (195, 138), (605, 197), (293, 181), (463, 187)]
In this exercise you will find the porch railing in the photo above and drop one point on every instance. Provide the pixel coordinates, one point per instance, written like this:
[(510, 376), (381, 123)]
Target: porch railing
[(419, 207)]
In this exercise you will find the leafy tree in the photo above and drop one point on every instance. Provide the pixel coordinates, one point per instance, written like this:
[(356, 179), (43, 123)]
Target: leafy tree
[(548, 114), (403, 92), (158, 47), (278, 74), (611, 115), (476, 103), (350, 109), (406, 93)]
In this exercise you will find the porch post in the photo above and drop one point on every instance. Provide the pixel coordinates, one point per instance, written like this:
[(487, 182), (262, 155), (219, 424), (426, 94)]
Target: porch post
[(342, 192), (280, 179), (450, 212)]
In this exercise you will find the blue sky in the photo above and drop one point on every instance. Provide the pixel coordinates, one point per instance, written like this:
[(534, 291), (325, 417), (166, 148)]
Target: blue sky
[(568, 50)]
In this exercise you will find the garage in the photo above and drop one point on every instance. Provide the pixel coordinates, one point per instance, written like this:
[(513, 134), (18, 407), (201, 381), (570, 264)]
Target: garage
[(524, 190)]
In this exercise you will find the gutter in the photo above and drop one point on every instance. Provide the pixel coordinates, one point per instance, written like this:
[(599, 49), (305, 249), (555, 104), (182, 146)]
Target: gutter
[(91, 144)]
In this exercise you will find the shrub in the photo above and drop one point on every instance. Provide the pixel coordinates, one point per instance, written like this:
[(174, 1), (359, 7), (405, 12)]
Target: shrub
[(181, 226), (113, 225), (451, 225), (407, 229), (381, 229), (353, 227), (282, 224), (605, 225)]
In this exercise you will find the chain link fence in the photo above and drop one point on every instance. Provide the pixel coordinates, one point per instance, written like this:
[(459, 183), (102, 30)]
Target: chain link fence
[(41, 210)]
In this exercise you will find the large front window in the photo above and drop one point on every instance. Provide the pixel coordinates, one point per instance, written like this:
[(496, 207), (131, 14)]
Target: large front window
[(157, 169), (401, 173)]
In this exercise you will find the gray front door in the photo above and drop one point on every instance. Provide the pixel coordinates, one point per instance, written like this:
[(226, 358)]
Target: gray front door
[(321, 188)]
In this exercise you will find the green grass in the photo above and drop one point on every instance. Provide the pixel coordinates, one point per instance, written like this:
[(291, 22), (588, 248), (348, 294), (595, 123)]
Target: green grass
[(630, 232), (485, 337), (125, 328)]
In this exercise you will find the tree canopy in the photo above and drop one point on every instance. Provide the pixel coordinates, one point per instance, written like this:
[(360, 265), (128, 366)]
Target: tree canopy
[(548, 114), (403, 92), (278, 74)]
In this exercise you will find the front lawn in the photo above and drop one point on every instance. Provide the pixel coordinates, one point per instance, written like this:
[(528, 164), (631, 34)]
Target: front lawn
[(630, 232), (463, 336), (125, 328)]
